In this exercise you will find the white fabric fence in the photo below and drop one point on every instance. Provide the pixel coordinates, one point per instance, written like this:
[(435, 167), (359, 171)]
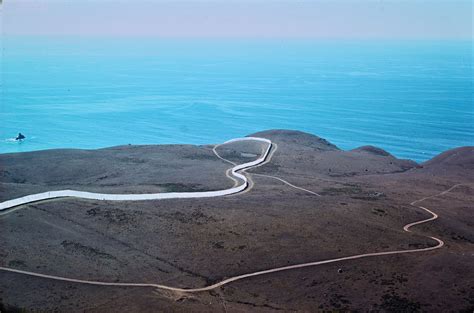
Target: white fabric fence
[(151, 196)]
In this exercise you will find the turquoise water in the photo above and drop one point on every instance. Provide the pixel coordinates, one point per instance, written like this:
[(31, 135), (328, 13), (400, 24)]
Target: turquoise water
[(414, 99)]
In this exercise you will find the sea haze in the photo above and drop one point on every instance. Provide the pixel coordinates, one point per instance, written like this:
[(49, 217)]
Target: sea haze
[(412, 98)]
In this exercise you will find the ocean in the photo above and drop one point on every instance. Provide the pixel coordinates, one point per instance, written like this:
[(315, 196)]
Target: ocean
[(411, 98)]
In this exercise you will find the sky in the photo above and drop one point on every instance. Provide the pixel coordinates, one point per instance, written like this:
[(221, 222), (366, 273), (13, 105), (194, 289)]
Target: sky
[(327, 19)]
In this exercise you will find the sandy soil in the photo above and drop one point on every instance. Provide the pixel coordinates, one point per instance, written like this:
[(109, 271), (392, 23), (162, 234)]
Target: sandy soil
[(195, 242)]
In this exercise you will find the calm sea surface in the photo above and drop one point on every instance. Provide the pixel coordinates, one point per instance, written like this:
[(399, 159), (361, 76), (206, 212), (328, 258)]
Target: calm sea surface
[(414, 99)]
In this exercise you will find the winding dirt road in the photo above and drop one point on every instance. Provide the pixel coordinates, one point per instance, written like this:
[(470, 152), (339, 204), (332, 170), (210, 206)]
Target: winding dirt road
[(233, 174)]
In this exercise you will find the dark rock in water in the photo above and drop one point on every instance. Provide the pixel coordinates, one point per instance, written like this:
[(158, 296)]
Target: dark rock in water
[(20, 136)]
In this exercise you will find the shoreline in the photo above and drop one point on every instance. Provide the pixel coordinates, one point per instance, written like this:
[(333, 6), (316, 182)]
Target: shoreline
[(423, 156)]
